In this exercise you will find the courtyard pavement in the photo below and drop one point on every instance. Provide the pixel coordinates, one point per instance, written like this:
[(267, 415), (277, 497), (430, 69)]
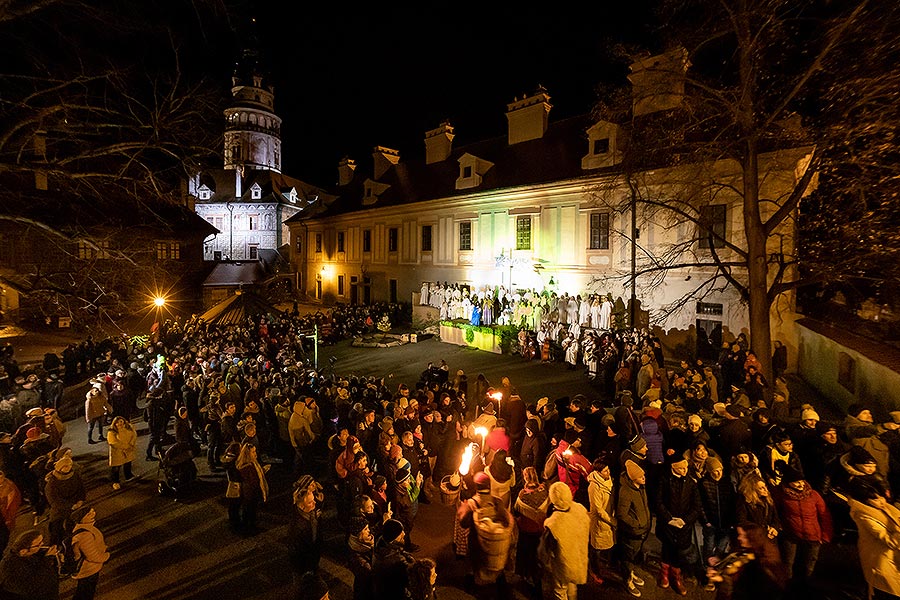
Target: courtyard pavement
[(163, 549)]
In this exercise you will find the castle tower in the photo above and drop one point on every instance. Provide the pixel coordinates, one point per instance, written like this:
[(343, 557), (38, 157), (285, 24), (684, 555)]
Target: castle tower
[(252, 129)]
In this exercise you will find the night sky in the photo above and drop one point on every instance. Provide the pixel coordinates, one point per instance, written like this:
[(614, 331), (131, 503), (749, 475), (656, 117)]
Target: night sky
[(350, 78)]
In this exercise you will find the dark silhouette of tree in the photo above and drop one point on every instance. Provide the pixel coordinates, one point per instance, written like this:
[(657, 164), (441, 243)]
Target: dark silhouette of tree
[(765, 77)]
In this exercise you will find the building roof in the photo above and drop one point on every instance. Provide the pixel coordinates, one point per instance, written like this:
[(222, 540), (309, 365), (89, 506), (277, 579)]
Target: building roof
[(236, 273), (275, 187), (237, 307), (554, 157), (145, 216), (883, 354)]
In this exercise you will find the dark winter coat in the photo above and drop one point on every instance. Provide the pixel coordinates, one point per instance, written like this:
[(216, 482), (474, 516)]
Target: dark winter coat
[(632, 509), (717, 498), (677, 497), (534, 451), (389, 576)]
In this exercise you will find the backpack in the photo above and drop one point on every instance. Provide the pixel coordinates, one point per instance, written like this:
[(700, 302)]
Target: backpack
[(69, 565)]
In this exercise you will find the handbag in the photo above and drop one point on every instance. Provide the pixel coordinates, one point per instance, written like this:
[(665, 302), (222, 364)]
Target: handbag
[(234, 489)]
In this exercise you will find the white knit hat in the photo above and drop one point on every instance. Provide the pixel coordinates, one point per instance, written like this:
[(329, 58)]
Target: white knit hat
[(560, 496), (809, 413)]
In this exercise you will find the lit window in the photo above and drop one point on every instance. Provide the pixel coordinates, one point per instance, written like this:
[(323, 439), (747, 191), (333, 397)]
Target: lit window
[(465, 235), (523, 233), (92, 250), (168, 250), (600, 231)]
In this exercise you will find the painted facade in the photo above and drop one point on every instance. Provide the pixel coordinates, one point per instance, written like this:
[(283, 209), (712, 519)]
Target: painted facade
[(249, 199)]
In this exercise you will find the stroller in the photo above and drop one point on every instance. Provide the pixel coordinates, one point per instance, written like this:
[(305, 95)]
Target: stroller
[(177, 464)]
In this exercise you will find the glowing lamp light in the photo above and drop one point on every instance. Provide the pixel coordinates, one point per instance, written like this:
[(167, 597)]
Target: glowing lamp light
[(567, 452), (159, 301), (482, 431)]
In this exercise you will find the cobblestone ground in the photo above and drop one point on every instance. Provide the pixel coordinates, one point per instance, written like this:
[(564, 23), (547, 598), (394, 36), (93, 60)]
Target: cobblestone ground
[(167, 550)]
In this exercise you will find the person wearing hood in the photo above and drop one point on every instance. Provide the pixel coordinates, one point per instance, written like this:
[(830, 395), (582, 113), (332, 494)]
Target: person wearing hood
[(806, 521), (633, 518), (563, 550), (530, 512), (878, 522), (855, 466), (603, 517), (534, 445), (503, 478)]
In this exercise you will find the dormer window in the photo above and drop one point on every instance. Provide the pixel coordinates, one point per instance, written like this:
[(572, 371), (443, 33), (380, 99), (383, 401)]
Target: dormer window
[(255, 192), (471, 170), (292, 195), (371, 190), (603, 146), (204, 193)]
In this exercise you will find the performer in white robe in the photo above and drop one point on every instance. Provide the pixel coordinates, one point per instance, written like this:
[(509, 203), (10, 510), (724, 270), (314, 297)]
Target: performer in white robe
[(572, 311), (584, 312), (595, 312), (423, 295), (605, 314)]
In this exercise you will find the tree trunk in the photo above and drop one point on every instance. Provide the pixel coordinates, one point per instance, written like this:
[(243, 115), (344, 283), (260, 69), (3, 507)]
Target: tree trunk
[(757, 265)]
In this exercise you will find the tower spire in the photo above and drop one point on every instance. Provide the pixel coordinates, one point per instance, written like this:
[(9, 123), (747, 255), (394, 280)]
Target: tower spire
[(252, 129)]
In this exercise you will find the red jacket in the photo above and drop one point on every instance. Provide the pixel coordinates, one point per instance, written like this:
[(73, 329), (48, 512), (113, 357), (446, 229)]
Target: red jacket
[(803, 514)]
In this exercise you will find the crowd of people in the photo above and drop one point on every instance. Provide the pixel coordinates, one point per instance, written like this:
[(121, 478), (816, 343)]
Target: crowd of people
[(740, 491)]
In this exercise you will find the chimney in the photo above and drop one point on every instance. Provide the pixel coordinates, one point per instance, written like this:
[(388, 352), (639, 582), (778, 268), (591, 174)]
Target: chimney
[(528, 117), (383, 159), (657, 82), (345, 170), (438, 143)]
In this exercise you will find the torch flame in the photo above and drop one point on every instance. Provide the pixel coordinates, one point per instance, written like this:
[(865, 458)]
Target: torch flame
[(497, 396), (466, 460), (482, 431), (567, 452)]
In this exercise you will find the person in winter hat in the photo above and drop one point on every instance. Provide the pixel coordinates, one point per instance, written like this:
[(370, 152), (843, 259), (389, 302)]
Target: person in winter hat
[(678, 508), (633, 517), (563, 550)]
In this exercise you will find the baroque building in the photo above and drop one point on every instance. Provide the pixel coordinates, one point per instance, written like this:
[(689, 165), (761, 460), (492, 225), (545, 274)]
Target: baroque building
[(545, 207)]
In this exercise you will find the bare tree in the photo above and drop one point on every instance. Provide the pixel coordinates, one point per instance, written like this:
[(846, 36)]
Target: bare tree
[(100, 124), (736, 137)]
